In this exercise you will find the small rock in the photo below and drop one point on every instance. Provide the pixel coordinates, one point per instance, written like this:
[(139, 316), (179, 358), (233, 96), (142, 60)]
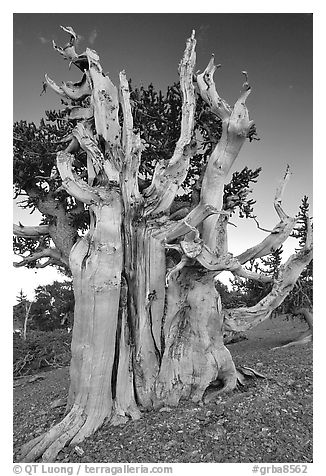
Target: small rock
[(201, 418), (165, 409), (169, 444), (59, 402), (35, 378), (215, 431), (79, 450), (219, 410)]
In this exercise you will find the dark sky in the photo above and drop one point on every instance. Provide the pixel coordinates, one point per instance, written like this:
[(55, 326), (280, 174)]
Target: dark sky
[(275, 49)]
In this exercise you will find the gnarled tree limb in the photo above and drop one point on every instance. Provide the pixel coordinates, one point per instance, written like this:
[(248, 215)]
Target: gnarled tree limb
[(279, 233), (105, 102), (131, 145), (167, 178), (54, 255), (241, 319), (246, 273), (235, 128), (69, 51), (95, 158), (30, 231), (187, 224), (73, 184), (208, 91)]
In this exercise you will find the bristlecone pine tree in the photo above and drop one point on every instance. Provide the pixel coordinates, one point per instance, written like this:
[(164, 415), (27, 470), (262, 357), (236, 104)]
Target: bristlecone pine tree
[(148, 331)]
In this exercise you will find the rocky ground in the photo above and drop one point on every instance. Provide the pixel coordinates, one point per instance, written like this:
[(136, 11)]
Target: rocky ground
[(269, 420)]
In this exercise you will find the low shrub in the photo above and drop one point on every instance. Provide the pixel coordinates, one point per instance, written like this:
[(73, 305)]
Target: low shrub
[(40, 350)]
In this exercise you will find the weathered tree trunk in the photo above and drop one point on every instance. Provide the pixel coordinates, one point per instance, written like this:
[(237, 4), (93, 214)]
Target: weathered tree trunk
[(96, 264), (149, 301), (194, 353)]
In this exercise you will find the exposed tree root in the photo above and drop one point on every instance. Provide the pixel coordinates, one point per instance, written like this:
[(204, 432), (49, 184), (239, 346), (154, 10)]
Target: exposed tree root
[(240, 377), (302, 339), (76, 425), (73, 429), (244, 373), (303, 311), (218, 388), (306, 336), (50, 443)]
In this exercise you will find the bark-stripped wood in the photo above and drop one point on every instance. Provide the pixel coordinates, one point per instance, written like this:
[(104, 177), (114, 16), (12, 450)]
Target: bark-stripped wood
[(235, 129), (279, 233), (131, 145), (105, 103), (194, 354), (241, 319)]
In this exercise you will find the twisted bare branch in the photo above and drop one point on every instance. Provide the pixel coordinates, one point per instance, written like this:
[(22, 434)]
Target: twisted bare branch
[(54, 255), (167, 178), (73, 184), (131, 144), (189, 222), (241, 319), (208, 91), (279, 233), (235, 130)]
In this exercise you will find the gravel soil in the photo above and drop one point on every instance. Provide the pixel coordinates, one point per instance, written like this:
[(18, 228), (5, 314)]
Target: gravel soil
[(266, 421)]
